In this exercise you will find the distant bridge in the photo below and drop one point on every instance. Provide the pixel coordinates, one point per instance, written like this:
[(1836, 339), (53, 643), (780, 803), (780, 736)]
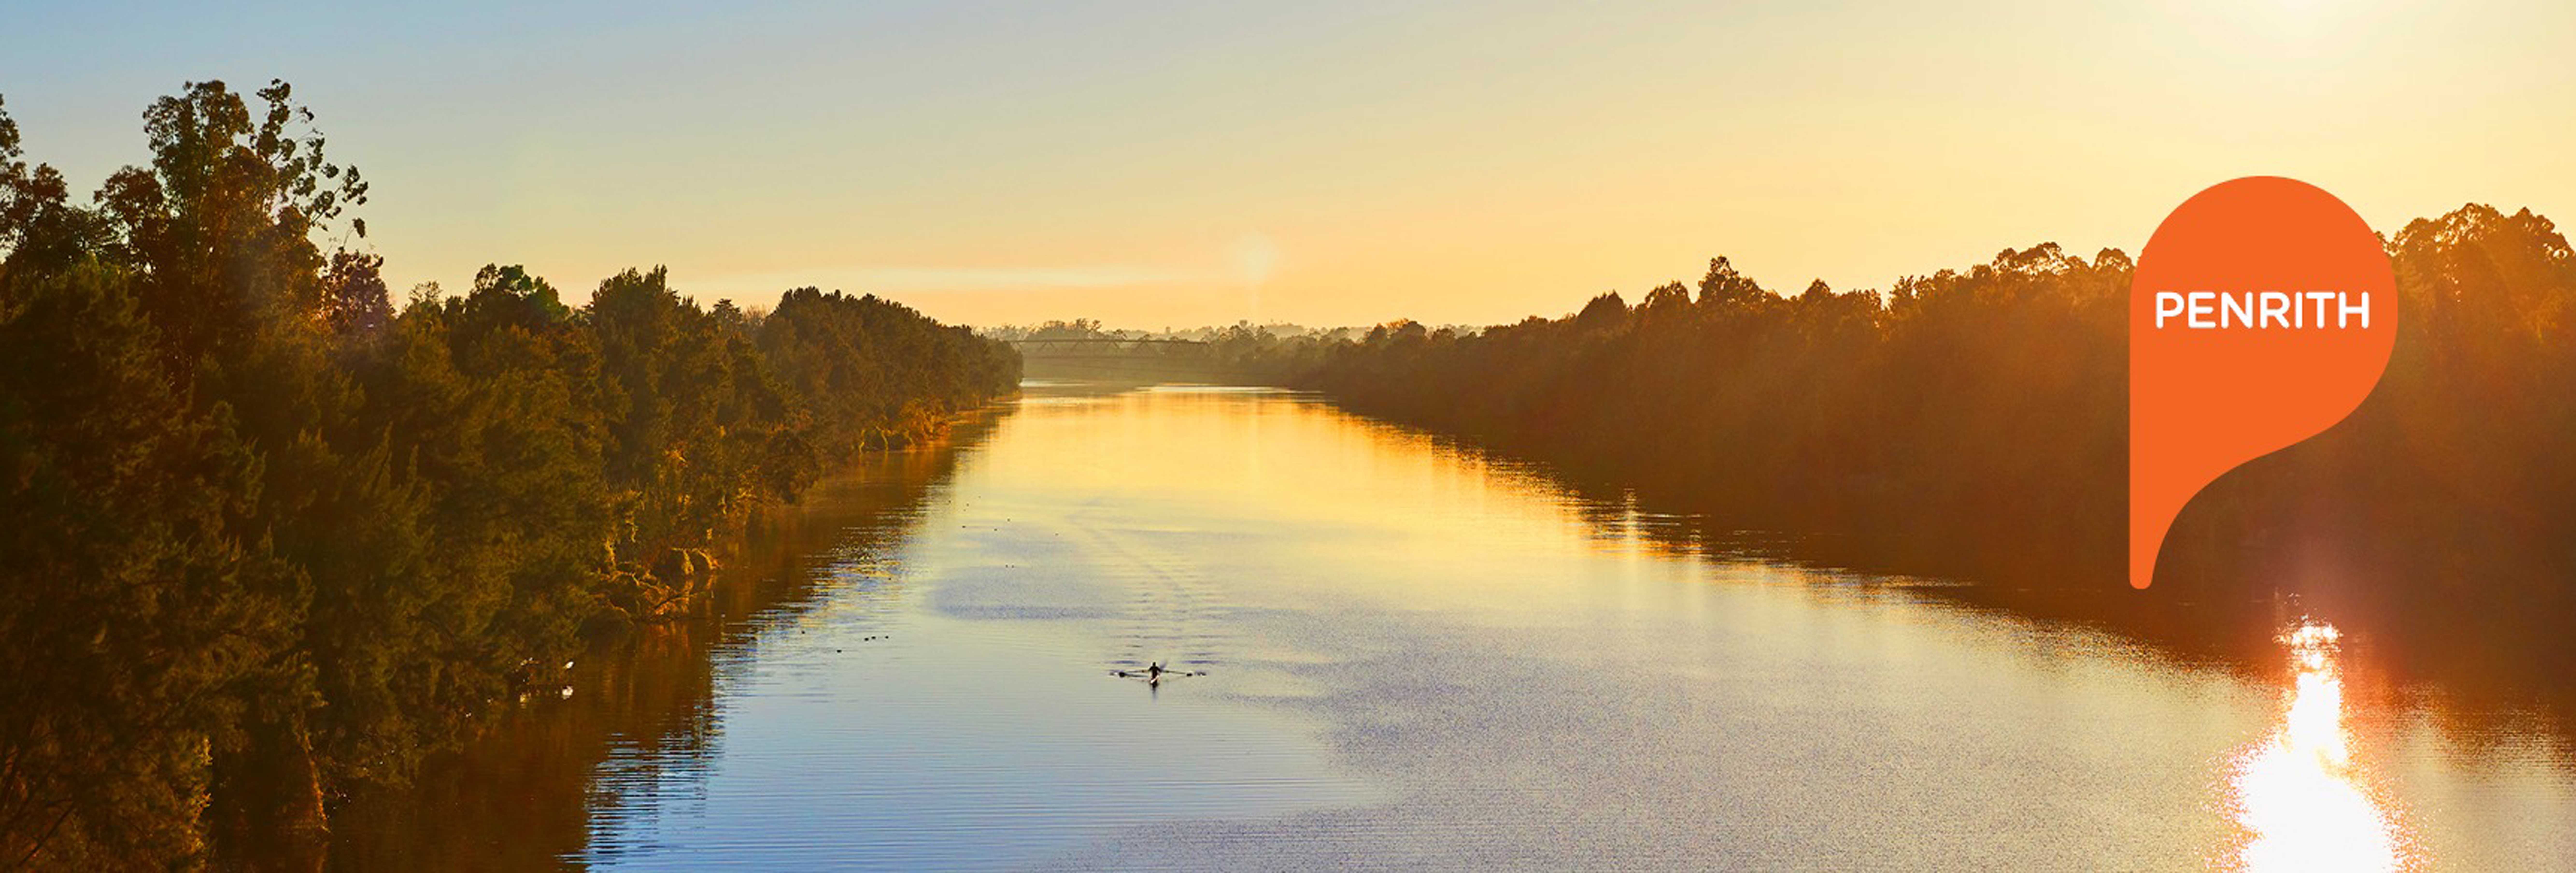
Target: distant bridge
[(1111, 349)]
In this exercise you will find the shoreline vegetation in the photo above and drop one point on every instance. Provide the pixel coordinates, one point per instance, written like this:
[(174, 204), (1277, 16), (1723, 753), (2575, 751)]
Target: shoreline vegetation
[(653, 693), (1972, 424), (274, 539)]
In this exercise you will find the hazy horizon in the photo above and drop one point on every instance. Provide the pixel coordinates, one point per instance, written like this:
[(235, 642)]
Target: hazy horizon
[(1171, 165), (574, 565)]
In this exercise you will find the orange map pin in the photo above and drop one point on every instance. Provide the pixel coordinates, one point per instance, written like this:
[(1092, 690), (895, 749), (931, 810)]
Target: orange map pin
[(2262, 312)]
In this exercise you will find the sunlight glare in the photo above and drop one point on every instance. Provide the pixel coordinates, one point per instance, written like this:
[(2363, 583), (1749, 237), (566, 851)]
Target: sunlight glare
[(2297, 796)]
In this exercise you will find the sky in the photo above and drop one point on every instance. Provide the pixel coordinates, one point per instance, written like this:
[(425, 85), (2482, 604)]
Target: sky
[(1328, 162)]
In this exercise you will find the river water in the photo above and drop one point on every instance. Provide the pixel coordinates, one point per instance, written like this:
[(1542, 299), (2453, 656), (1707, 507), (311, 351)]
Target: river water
[(1414, 656)]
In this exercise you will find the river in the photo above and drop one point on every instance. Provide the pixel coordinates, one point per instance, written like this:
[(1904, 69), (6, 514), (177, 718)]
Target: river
[(1404, 655)]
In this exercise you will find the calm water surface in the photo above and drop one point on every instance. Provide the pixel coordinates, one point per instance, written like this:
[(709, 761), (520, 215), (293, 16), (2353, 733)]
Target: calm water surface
[(1416, 657)]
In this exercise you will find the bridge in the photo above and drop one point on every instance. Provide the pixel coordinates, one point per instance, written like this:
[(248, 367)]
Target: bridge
[(1118, 358), (1110, 349)]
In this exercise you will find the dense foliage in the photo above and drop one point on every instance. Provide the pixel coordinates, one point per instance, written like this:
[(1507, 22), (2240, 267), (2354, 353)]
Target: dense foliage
[(269, 539), (1974, 422)]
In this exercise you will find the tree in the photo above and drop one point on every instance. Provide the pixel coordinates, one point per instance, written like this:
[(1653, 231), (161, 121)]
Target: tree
[(270, 540), (137, 613)]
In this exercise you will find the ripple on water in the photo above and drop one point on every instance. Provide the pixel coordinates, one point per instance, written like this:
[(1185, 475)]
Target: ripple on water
[(1419, 657)]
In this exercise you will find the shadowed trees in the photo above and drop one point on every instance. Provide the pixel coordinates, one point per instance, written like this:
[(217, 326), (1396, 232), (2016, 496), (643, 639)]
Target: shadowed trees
[(1974, 422), (271, 539), (136, 614), (840, 352)]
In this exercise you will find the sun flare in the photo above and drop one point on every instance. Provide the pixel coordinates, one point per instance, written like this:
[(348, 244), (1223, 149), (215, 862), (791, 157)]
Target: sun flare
[(2301, 802)]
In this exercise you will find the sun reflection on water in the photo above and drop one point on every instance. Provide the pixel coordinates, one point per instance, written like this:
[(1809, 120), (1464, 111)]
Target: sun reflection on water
[(2297, 796)]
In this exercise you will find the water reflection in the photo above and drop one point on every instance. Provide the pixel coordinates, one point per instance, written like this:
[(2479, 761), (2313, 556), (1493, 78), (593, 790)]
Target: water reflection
[(547, 781), (1420, 656), (2301, 800)]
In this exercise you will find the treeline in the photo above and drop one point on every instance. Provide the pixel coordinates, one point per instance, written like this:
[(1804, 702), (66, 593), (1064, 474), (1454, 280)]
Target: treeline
[(1240, 352), (269, 538), (650, 706), (1973, 422)]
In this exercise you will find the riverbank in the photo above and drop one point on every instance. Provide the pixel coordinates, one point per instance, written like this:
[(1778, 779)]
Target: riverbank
[(517, 795), (1416, 655), (682, 582), (1971, 423), (2511, 674), (277, 537)]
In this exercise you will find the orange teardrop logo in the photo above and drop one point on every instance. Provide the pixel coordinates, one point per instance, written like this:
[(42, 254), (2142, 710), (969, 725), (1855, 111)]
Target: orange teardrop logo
[(2262, 312)]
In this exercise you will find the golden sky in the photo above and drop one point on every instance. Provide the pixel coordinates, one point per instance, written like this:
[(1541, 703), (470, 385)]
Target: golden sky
[(1327, 163)]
